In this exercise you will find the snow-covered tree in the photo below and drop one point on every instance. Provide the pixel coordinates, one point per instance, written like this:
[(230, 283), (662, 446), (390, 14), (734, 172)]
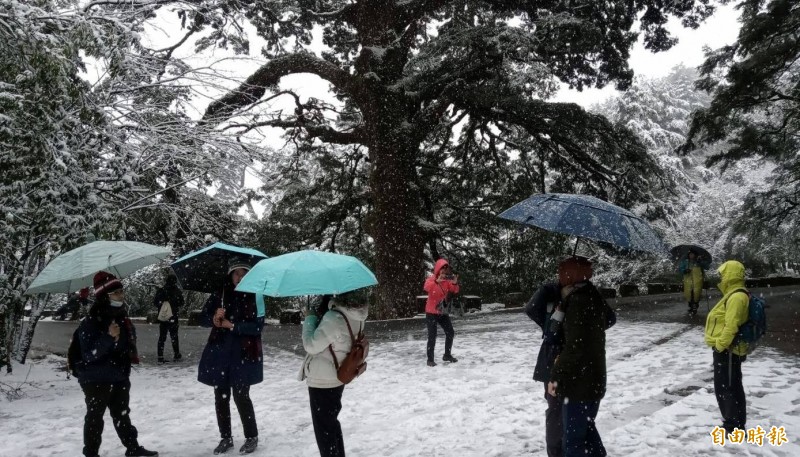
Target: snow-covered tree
[(408, 72)]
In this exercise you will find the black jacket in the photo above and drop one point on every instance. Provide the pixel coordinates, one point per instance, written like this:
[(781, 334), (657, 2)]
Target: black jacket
[(580, 369), (539, 308), (173, 295), (102, 359)]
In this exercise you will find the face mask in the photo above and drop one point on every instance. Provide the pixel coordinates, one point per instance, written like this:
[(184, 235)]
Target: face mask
[(116, 304)]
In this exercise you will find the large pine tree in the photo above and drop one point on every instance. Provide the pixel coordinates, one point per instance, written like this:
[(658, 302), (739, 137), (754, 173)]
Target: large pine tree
[(412, 73)]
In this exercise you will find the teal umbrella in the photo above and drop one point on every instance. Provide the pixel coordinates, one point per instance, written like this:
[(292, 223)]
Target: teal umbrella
[(307, 273), (75, 269)]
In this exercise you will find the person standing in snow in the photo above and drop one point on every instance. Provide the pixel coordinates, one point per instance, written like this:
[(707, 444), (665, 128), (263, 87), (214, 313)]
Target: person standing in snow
[(168, 301), (76, 303), (327, 342), (440, 286), (544, 309), (233, 358), (578, 376), (108, 348), (693, 273), (722, 324)]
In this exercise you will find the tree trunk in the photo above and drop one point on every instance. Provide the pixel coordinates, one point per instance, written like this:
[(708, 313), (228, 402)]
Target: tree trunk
[(393, 223)]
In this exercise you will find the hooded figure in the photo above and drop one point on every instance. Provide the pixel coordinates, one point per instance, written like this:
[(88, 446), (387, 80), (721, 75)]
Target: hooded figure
[(108, 348), (693, 273), (722, 324), (440, 286), (324, 339), (578, 376)]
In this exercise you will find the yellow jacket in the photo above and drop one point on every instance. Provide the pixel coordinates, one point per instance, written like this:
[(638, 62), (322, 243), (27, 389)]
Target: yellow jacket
[(729, 313)]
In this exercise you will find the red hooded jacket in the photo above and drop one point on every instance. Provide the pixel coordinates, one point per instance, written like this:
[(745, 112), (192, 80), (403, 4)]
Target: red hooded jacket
[(437, 292)]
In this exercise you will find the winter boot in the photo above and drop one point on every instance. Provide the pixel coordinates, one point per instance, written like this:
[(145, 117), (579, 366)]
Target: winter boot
[(225, 445), (431, 363), (177, 358), (449, 358), (139, 452), (250, 445), (162, 360)]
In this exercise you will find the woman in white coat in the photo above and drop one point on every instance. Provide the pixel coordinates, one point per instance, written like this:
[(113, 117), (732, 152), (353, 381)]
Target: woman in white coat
[(323, 339)]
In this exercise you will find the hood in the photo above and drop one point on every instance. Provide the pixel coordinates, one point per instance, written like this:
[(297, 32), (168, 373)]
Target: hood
[(353, 314), (731, 275), (439, 265)]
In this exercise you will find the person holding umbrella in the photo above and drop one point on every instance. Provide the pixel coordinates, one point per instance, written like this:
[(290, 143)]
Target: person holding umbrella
[(327, 339), (693, 270), (108, 348), (232, 360), (578, 376)]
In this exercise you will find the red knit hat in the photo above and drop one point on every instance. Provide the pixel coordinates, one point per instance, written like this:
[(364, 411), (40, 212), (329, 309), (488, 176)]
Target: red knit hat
[(105, 283), (84, 293), (573, 270)]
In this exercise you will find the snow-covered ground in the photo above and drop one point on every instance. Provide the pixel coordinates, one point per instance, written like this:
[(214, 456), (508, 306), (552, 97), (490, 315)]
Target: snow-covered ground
[(660, 401)]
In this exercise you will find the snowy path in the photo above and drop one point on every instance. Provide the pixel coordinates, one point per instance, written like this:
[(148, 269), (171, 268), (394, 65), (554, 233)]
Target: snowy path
[(660, 401)]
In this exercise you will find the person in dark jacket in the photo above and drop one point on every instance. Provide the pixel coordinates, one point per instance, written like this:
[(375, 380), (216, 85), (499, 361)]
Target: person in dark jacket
[(108, 348), (79, 300), (233, 358), (168, 301), (578, 376), (542, 309), (545, 309)]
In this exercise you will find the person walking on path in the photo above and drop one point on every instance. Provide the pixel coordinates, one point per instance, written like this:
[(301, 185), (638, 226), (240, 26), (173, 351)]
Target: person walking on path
[(327, 341), (168, 301), (440, 286), (233, 358), (722, 324), (76, 304), (693, 271), (578, 376), (107, 341)]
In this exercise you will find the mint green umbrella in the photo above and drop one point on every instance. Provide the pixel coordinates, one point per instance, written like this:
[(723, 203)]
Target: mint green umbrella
[(75, 269), (307, 273)]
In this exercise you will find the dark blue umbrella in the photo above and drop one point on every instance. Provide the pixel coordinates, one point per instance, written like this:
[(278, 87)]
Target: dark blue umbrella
[(205, 270), (586, 217)]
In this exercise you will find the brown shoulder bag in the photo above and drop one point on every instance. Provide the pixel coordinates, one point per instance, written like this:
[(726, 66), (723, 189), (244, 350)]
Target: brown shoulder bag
[(355, 362)]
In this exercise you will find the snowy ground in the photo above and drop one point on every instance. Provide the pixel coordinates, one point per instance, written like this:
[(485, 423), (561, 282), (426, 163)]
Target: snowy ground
[(660, 401)]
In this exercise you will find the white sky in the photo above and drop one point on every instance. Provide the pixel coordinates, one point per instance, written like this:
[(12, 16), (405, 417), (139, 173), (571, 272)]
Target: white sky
[(718, 30)]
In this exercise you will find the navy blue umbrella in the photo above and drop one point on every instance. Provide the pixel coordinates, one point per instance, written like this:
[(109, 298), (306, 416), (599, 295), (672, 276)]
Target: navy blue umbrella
[(586, 217), (205, 270)]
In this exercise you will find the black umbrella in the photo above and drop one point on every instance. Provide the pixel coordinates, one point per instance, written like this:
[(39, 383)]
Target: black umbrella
[(205, 270), (680, 252)]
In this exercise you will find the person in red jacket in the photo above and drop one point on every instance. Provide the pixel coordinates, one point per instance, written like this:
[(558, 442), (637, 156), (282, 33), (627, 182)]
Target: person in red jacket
[(440, 286)]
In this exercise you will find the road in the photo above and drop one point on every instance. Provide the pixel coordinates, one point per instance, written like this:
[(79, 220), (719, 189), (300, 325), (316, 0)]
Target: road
[(783, 319)]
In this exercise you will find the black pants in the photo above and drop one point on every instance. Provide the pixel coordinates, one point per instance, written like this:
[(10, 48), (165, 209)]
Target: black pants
[(729, 390), (172, 328), (444, 320), (554, 429), (222, 403), (325, 407), (115, 397)]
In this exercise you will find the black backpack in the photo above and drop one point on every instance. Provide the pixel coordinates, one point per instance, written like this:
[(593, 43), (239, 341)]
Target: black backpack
[(74, 354)]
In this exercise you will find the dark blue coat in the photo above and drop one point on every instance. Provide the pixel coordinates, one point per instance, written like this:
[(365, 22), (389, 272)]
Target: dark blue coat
[(539, 309), (232, 357), (103, 360)]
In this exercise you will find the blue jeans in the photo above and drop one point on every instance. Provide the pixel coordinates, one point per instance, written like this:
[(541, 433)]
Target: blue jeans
[(581, 438)]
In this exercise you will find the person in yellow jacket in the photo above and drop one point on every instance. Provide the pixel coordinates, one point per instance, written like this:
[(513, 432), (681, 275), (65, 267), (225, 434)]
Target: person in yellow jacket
[(722, 324), (693, 274)]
